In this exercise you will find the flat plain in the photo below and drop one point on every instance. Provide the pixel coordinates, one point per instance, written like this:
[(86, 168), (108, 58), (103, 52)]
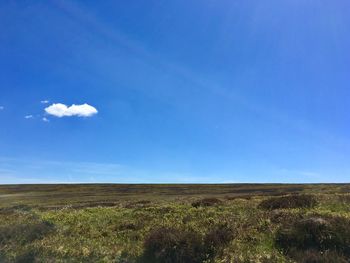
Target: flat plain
[(175, 223)]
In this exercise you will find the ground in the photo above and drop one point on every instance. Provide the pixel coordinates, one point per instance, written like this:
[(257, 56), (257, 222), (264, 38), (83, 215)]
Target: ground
[(119, 223)]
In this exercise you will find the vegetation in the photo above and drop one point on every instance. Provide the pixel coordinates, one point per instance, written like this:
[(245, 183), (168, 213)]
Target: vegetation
[(319, 236), (173, 245), (177, 245), (175, 223), (292, 201), (206, 202)]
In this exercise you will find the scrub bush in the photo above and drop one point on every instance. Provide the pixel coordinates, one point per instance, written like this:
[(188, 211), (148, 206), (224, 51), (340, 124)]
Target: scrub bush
[(206, 202), (24, 233), (291, 201), (216, 239), (317, 236), (170, 245)]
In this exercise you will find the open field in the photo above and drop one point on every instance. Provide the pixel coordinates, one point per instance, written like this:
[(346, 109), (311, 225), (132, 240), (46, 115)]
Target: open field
[(175, 223)]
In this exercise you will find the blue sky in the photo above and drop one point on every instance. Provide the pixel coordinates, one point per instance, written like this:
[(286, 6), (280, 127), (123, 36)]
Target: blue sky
[(176, 91)]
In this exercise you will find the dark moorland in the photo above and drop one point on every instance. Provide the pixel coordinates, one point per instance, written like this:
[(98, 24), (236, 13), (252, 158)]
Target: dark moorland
[(175, 223)]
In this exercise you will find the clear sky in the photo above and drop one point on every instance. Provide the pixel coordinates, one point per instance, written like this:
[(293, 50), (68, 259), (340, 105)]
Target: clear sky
[(175, 91)]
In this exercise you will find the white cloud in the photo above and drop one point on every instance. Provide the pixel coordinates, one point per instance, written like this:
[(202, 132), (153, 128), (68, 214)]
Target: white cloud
[(45, 119), (44, 101), (61, 110), (28, 117)]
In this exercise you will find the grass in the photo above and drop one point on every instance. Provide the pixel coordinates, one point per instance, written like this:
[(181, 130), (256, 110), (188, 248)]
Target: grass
[(173, 223)]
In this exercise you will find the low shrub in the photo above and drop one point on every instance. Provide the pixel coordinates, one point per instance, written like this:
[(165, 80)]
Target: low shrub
[(24, 233), (128, 226), (138, 204), (280, 216), (344, 198), (143, 202), (93, 204), (26, 256), (291, 201), (170, 245), (207, 202), (314, 256), (14, 209), (186, 219), (320, 234), (217, 238)]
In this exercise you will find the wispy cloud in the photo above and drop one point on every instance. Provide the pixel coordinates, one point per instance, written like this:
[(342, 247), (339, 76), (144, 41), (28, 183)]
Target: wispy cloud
[(62, 110), (44, 101), (2, 107), (24, 170), (29, 117), (45, 119)]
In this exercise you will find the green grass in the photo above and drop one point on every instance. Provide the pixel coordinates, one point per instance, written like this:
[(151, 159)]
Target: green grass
[(110, 223)]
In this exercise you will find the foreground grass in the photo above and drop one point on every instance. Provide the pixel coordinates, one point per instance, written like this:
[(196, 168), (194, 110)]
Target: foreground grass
[(42, 232)]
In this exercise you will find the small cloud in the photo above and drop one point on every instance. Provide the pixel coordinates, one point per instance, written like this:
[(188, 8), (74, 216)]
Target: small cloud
[(45, 119), (2, 107), (61, 110), (28, 117), (44, 101)]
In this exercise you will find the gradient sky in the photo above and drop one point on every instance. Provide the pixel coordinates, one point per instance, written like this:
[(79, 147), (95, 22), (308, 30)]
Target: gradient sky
[(186, 91)]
